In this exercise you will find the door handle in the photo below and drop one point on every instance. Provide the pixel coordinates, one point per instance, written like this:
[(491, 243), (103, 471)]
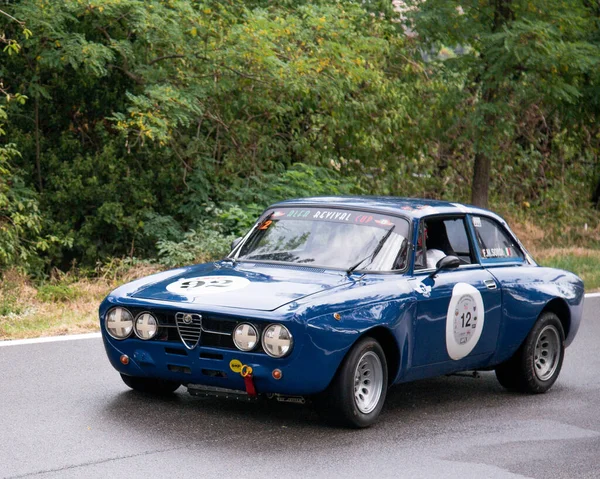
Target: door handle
[(490, 284)]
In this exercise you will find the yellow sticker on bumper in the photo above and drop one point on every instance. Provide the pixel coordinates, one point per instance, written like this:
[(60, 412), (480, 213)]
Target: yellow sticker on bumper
[(235, 365)]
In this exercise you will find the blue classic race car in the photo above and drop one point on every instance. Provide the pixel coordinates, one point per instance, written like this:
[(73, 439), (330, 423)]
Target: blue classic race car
[(336, 299)]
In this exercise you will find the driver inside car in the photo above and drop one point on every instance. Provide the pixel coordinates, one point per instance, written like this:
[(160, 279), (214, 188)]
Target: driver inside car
[(433, 256), (437, 245)]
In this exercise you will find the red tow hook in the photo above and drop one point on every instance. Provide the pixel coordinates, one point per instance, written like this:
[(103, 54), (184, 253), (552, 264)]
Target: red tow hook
[(246, 373)]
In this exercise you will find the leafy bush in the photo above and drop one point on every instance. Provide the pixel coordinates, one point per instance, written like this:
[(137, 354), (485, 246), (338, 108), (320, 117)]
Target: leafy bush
[(197, 246), (243, 204), (154, 129), (11, 285), (60, 292), (217, 226), (20, 219), (9, 306)]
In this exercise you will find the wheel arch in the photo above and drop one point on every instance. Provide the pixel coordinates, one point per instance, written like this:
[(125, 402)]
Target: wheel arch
[(560, 307), (390, 348)]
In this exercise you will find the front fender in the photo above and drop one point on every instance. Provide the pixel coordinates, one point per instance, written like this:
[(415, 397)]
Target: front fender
[(334, 338)]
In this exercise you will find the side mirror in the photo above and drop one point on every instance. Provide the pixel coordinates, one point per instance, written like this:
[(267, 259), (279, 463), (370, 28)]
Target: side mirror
[(447, 262), (235, 242)]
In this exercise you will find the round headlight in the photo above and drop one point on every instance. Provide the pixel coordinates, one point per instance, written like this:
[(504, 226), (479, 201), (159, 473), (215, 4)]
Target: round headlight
[(119, 323), (146, 326), (245, 337), (277, 341)]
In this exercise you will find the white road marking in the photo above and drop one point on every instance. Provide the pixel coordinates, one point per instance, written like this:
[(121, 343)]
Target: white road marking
[(50, 339), (73, 337)]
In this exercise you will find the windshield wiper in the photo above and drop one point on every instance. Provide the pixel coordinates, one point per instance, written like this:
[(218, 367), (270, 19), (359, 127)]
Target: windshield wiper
[(372, 256)]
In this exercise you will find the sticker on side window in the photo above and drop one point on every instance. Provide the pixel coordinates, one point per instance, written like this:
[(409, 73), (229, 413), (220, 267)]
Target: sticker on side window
[(496, 252), (477, 221)]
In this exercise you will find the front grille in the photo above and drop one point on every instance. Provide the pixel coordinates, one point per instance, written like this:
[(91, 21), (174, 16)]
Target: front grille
[(205, 329), (218, 326), (208, 331), (218, 341), (189, 326)]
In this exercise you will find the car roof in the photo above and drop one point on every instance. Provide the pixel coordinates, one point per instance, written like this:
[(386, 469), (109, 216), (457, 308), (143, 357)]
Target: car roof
[(410, 207)]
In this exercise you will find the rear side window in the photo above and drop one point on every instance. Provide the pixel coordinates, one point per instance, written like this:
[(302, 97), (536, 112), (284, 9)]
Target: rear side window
[(494, 242)]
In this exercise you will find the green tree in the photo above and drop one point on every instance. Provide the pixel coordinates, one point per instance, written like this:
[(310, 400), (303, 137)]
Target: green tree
[(20, 220), (516, 59), (141, 108), (149, 119)]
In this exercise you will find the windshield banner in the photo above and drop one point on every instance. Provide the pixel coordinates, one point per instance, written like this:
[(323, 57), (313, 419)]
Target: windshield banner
[(334, 215)]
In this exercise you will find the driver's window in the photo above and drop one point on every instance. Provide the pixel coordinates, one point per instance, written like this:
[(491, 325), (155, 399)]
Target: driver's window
[(440, 237), (459, 240)]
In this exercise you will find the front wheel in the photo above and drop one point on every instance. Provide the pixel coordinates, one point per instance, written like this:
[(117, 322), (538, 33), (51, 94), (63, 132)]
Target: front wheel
[(150, 385), (537, 363), (356, 395)]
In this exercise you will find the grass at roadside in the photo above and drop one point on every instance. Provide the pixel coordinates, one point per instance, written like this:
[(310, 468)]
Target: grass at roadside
[(69, 305), (581, 261), (26, 311)]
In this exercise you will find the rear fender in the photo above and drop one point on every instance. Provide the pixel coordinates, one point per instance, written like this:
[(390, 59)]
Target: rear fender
[(523, 302)]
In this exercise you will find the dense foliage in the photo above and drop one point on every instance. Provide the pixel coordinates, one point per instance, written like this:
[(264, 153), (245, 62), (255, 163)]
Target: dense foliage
[(161, 128)]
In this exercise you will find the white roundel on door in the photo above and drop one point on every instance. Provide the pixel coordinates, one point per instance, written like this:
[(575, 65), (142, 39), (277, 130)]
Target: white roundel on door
[(207, 285), (464, 322)]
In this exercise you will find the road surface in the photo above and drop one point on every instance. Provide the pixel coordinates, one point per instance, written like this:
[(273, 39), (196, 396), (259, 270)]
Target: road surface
[(66, 414)]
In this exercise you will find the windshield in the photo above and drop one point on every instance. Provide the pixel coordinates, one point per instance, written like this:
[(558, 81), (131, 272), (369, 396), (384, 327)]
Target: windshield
[(329, 238)]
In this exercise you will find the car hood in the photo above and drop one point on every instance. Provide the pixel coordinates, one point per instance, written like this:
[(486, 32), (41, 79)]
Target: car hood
[(251, 286)]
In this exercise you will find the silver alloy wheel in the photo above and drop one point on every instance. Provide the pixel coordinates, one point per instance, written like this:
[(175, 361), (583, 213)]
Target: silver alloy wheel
[(547, 353), (368, 382)]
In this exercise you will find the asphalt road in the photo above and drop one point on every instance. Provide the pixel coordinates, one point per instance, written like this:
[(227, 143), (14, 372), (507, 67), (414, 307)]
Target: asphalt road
[(66, 414)]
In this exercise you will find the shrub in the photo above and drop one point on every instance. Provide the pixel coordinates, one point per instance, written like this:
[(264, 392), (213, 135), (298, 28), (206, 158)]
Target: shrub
[(57, 293), (197, 246)]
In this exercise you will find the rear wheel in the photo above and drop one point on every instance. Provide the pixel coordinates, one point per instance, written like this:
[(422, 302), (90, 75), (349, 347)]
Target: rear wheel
[(150, 385), (536, 365), (356, 395)]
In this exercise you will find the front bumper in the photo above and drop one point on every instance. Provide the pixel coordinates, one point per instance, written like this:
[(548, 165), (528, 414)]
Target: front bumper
[(306, 371)]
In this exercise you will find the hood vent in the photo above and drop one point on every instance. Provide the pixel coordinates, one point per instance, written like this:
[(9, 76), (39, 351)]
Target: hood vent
[(287, 266)]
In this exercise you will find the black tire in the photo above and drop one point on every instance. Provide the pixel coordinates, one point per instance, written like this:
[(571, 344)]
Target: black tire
[(506, 376), (339, 405), (536, 365), (159, 387)]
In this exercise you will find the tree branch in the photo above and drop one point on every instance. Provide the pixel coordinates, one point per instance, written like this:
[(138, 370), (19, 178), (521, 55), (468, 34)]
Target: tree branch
[(12, 18), (105, 33), (165, 57), (218, 119), (138, 79), (233, 70)]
